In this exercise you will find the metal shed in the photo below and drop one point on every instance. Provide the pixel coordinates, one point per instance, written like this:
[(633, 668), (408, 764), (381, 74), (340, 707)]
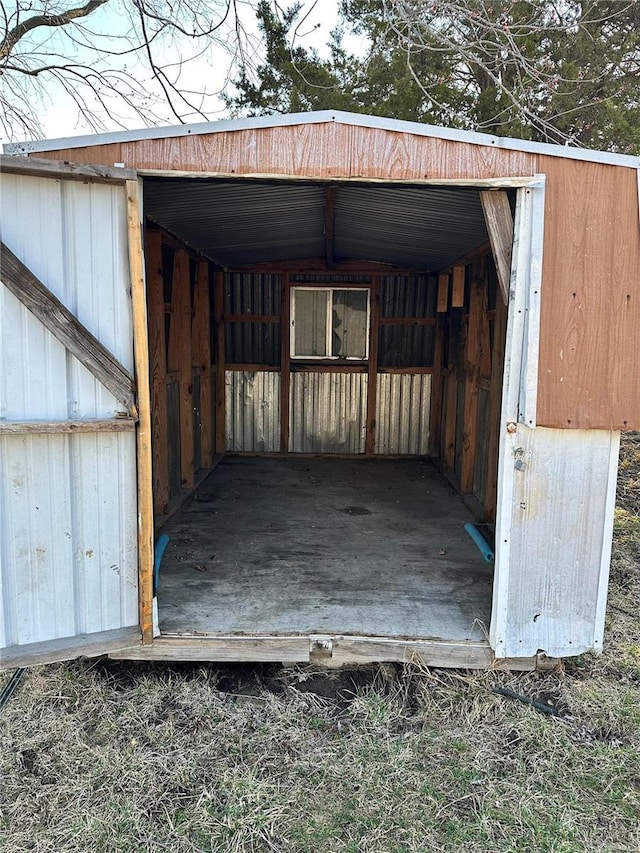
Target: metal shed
[(311, 349)]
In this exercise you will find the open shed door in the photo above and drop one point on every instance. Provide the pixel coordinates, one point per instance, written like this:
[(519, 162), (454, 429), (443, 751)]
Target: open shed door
[(556, 489), (68, 494)]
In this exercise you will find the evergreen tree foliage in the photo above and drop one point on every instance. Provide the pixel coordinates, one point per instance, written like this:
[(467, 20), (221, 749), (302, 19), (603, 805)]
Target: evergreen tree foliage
[(561, 71)]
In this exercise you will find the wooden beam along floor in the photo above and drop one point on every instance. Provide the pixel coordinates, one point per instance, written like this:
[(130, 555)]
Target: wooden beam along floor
[(363, 547)]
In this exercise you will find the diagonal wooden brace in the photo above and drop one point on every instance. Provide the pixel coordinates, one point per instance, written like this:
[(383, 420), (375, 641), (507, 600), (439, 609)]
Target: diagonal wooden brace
[(44, 305)]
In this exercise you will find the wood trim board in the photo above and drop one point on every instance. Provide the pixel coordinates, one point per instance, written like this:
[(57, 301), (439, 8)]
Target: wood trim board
[(70, 426), (144, 449), (66, 327)]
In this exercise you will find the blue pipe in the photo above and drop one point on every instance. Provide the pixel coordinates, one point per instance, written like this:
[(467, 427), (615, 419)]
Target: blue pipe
[(483, 546), (161, 544)]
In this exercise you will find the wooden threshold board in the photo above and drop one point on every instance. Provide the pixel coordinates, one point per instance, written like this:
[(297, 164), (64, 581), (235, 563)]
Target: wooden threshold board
[(331, 652)]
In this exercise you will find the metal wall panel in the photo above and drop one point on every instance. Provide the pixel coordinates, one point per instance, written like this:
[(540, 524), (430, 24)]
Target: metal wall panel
[(553, 540), (252, 411), (252, 343), (402, 414), (68, 555), (252, 293), (68, 549), (328, 412)]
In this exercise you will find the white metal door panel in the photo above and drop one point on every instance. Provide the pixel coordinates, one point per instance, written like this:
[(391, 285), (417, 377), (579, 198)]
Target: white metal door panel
[(556, 489), (556, 534), (68, 511)]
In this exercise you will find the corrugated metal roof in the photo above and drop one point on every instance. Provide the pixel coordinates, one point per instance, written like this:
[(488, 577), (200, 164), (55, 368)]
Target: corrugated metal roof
[(250, 221), (240, 222), (469, 137)]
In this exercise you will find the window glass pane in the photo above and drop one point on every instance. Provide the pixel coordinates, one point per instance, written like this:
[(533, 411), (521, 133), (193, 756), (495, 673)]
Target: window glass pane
[(349, 324), (310, 322)]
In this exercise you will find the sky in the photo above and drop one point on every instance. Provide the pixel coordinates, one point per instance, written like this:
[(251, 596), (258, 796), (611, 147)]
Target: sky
[(58, 115)]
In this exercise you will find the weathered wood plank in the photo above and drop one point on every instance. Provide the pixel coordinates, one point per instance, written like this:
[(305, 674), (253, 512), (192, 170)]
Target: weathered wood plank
[(497, 214), (71, 426), (57, 318), (495, 403), (285, 363), (179, 359), (231, 649), (472, 368), (435, 653), (158, 360), (68, 648), (457, 289), (450, 418), (436, 410), (443, 294), (372, 381), (254, 368), (144, 454), (40, 168), (220, 442), (201, 357)]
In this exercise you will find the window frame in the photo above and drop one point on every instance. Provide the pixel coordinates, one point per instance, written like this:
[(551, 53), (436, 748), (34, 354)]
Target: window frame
[(329, 289)]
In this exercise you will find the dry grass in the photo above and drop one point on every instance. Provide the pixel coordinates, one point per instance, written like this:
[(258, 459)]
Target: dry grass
[(98, 756)]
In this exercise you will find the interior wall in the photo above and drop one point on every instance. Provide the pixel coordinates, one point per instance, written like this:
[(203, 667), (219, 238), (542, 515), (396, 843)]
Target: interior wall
[(223, 379), (182, 364), (273, 402), (467, 380)]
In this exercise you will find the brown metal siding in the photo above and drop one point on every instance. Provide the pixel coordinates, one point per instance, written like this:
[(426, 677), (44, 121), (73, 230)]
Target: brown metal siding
[(589, 356), (589, 374), (312, 150)]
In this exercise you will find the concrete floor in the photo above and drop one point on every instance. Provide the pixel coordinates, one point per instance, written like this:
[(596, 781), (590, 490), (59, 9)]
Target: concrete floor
[(294, 545)]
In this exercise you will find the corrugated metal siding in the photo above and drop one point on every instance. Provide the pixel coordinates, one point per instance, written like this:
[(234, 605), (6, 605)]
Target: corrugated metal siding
[(253, 411), (69, 538), (328, 412), (252, 293), (406, 346), (252, 343), (68, 549), (402, 414), (408, 296)]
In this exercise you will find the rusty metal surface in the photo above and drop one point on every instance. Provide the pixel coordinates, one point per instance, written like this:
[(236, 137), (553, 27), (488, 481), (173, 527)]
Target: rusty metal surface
[(402, 414), (328, 412), (253, 411)]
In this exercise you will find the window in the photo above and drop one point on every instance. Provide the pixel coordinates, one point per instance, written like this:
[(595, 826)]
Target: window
[(330, 322)]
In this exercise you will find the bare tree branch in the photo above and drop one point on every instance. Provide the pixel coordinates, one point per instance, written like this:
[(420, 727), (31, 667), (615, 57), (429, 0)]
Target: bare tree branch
[(21, 30)]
